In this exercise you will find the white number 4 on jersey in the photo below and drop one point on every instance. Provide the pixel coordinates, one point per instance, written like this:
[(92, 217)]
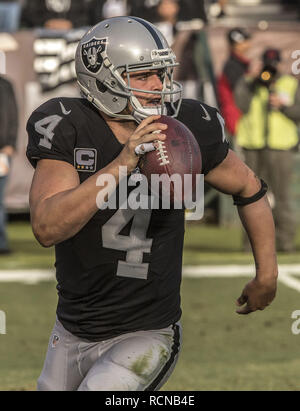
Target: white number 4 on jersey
[(47, 132)]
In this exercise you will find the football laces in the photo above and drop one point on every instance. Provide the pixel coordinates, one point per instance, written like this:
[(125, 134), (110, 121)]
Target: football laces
[(162, 153)]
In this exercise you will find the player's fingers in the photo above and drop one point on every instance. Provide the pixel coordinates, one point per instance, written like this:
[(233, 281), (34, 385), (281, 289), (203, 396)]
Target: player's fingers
[(241, 300), (142, 142), (150, 138), (147, 121), (153, 127), (144, 148), (245, 310)]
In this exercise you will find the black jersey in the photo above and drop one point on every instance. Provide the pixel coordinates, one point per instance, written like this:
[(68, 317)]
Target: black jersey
[(122, 271)]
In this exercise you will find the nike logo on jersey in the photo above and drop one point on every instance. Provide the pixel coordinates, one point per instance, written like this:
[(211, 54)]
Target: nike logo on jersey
[(207, 116), (222, 123), (63, 109)]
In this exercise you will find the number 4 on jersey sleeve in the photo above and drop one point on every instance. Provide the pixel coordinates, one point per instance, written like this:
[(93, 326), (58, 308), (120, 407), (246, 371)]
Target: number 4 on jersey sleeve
[(47, 132)]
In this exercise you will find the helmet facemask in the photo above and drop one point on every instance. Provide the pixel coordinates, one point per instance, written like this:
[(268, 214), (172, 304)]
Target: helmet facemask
[(170, 96)]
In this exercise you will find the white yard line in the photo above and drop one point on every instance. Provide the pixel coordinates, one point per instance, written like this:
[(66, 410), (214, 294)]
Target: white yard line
[(288, 274), (203, 271), (289, 280), (26, 276)]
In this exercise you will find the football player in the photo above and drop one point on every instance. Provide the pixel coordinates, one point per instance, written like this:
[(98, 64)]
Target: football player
[(119, 270)]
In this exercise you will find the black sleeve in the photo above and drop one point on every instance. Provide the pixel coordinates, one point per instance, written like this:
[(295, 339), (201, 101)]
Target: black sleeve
[(208, 127), (50, 135), (216, 151)]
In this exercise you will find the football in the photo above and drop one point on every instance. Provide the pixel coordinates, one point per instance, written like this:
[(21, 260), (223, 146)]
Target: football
[(179, 154)]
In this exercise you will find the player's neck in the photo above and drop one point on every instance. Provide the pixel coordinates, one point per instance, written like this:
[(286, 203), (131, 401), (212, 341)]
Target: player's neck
[(122, 129)]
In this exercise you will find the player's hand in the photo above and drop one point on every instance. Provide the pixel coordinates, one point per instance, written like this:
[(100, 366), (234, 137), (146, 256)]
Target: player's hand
[(142, 136), (256, 295)]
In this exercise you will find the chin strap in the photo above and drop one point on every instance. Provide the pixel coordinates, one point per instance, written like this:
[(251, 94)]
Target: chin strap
[(140, 114)]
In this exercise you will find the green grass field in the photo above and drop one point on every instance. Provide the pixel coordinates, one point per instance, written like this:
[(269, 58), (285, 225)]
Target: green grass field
[(221, 350)]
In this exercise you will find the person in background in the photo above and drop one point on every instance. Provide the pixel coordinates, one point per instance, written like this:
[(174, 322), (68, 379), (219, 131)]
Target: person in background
[(183, 15), (8, 137), (217, 8), (182, 23), (166, 16), (268, 135), (103, 9), (146, 9), (236, 66), (10, 11), (57, 14)]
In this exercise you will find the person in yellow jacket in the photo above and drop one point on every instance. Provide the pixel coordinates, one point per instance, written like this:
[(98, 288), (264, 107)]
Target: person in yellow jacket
[(268, 135)]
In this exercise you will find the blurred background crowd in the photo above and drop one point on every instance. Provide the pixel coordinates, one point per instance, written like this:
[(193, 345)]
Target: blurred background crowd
[(239, 56)]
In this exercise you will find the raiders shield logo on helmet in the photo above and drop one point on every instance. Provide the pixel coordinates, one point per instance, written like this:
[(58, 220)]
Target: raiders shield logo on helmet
[(91, 54)]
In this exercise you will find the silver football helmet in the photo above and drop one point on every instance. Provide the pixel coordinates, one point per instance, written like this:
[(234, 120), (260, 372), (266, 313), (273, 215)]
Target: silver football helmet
[(116, 47)]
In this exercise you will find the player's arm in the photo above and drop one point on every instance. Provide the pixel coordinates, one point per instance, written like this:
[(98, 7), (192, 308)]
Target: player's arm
[(60, 206), (233, 177)]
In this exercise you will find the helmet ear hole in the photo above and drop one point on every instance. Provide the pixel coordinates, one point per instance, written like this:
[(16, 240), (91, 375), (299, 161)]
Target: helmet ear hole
[(101, 87)]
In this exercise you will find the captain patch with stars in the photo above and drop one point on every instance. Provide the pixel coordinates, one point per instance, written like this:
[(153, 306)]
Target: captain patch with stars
[(85, 159)]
